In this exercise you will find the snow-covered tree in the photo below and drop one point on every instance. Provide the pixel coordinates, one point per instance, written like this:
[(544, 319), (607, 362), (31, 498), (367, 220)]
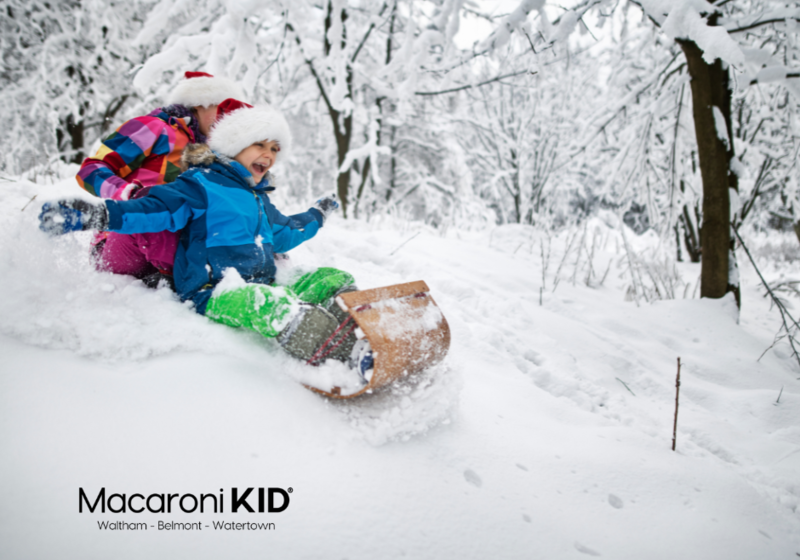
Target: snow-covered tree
[(66, 66), (722, 43), (364, 60), (519, 131), (746, 40)]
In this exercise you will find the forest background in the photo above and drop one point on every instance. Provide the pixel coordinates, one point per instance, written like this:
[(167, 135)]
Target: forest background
[(535, 164), (678, 118)]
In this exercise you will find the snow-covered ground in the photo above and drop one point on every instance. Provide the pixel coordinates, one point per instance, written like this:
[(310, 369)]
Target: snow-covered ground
[(546, 433)]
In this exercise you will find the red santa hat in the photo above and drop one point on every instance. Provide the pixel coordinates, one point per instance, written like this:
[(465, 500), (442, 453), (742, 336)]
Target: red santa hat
[(240, 125), (199, 89)]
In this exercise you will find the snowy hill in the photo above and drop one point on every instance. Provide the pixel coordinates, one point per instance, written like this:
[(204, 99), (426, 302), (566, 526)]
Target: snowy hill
[(546, 433)]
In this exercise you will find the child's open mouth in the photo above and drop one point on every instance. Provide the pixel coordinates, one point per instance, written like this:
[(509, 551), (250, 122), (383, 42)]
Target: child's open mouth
[(259, 168)]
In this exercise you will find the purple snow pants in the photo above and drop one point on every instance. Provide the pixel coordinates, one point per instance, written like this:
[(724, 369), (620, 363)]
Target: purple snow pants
[(139, 254)]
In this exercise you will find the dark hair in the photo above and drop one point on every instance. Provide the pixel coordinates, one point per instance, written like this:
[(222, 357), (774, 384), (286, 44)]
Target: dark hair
[(181, 111)]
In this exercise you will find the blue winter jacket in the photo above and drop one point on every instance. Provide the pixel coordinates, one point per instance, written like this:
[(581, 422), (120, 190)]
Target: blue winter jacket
[(228, 223)]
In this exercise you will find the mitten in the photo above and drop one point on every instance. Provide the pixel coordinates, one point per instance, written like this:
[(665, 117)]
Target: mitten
[(326, 206), (64, 216)]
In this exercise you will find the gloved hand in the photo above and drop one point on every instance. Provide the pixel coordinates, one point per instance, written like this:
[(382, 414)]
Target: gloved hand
[(326, 206), (64, 216)]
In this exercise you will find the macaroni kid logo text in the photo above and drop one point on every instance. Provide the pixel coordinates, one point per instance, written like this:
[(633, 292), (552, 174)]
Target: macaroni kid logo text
[(251, 500)]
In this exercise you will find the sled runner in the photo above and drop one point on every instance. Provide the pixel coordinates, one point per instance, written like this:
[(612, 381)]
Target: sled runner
[(405, 329)]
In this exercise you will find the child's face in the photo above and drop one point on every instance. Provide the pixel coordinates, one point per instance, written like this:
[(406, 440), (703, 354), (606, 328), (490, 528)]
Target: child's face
[(205, 118), (258, 158)]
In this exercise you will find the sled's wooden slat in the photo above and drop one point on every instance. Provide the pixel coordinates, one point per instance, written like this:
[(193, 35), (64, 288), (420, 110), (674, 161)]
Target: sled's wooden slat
[(405, 328), (357, 299)]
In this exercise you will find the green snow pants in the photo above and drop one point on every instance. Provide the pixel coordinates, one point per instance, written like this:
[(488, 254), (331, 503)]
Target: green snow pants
[(268, 309)]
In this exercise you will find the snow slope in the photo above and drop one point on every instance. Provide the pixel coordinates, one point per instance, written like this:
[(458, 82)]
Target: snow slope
[(546, 433)]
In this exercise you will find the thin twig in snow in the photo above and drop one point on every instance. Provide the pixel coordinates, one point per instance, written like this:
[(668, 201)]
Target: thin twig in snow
[(590, 259), (580, 250), (570, 241), (29, 202), (545, 260), (775, 341), (608, 268), (677, 394), (626, 386), (778, 303), (632, 266), (403, 243)]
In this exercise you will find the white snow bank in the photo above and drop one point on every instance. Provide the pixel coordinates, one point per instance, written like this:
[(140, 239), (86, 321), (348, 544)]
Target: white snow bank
[(545, 433)]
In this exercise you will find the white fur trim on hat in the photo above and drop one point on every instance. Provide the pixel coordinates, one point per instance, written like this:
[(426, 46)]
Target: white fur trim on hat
[(237, 130), (203, 91)]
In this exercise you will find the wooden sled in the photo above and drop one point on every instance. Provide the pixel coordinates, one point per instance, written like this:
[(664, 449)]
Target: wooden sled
[(404, 327)]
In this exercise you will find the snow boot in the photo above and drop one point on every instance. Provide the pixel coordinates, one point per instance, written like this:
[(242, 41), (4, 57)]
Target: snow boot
[(158, 279), (334, 307), (315, 335), (362, 360), (308, 331), (347, 339)]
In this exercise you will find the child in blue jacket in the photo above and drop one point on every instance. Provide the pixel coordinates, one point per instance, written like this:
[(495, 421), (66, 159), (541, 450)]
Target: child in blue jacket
[(232, 230)]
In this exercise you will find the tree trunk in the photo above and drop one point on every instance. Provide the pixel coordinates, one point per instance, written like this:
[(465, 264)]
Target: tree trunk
[(515, 186), (393, 161), (69, 136), (342, 147), (111, 112), (710, 89), (343, 137)]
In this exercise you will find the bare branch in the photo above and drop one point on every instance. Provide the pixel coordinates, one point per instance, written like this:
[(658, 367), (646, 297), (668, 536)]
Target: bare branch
[(755, 81), (778, 303), (580, 9), (651, 18), (366, 36), (677, 394), (334, 113), (468, 86), (758, 24)]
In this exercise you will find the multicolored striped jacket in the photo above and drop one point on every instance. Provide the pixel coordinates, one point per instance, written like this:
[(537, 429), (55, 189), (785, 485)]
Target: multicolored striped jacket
[(144, 151)]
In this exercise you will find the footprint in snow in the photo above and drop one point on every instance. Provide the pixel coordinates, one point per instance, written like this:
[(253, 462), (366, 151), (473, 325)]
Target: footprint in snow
[(473, 478), (533, 357), (586, 550), (615, 501)]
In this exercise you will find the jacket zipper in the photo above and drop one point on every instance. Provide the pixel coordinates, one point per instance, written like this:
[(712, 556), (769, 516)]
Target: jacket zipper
[(261, 212)]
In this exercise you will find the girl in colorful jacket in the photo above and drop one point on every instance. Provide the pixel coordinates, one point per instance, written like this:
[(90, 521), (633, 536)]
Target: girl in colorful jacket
[(230, 232), (144, 152)]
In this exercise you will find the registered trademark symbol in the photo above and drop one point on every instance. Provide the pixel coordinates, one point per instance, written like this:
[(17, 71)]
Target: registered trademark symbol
[(290, 490)]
